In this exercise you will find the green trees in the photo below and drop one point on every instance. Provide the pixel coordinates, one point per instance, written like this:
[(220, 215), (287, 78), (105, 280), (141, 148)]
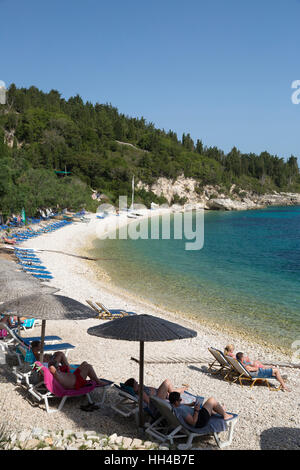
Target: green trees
[(46, 133)]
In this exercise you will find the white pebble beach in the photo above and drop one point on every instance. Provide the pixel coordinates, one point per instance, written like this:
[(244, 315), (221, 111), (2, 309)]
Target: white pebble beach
[(267, 419)]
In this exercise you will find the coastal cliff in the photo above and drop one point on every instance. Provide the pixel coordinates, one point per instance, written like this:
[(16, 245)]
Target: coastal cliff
[(185, 191)]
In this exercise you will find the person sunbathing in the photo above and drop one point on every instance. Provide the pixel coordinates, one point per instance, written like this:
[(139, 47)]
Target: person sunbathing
[(197, 416), (58, 358), (77, 379), (6, 320), (262, 372), (162, 391), (9, 241), (228, 351)]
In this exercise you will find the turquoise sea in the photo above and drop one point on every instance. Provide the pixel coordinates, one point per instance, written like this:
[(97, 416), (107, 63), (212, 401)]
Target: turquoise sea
[(246, 276)]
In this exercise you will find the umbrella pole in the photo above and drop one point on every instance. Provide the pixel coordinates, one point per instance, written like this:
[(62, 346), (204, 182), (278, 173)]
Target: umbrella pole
[(19, 326), (141, 382), (42, 340)]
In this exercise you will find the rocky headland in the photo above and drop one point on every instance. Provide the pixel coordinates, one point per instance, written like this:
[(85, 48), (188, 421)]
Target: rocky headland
[(186, 191)]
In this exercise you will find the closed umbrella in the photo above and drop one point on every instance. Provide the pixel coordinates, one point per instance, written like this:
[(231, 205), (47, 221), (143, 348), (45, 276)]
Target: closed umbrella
[(48, 307), (142, 328)]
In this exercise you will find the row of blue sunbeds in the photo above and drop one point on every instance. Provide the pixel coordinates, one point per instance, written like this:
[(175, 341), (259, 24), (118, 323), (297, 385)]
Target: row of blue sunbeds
[(28, 234), (31, 264)]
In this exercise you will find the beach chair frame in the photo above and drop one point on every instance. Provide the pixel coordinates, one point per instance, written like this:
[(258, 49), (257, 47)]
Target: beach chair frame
[(220, 365), (103, 312), (240, 373), (42, 391), (15, 341), (128, 406)]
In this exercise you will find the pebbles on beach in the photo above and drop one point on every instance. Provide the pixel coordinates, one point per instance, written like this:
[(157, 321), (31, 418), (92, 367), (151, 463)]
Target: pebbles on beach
[(267, 419)]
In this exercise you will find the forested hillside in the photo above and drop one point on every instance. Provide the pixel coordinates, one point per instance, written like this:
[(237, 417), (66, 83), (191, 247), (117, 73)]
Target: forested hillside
[(41, 133)]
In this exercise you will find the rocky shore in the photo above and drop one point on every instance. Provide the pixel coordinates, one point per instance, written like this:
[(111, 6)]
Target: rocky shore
[(186, 190)]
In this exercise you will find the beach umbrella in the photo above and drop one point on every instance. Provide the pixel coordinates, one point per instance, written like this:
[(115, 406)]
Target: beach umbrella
[(14, 283), (5, 264), (47, 307), (142, 328), (11, 289)]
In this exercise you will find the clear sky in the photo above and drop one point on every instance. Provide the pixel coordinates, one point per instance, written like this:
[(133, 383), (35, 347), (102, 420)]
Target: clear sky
[(221, 70)]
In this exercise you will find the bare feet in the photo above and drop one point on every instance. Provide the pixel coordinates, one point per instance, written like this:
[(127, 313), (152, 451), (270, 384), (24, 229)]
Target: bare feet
[(227, 416)]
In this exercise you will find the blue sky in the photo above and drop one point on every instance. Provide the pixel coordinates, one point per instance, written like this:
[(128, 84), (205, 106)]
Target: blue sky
[(220, 69)]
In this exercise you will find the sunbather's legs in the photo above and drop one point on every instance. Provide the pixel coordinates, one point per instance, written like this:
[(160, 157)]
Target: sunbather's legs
[(167, 387), (86, 370), (276, 374), (211, 405)]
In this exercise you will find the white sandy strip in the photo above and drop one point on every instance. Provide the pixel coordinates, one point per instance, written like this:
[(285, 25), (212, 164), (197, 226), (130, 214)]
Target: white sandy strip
[(266, 419)]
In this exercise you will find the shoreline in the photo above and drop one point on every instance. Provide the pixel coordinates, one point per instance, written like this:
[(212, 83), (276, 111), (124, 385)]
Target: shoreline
[(112, 358), (103, 279), (100, 279)]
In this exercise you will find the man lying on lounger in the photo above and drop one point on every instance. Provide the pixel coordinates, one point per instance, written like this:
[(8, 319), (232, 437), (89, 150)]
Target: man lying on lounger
[(196, 416), (60, 368), (77, 379), (262, 373), (162, 391), (58, 358)]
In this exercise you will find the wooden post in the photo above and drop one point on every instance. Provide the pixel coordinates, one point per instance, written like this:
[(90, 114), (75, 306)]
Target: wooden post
[(42, 340), (19, 326), (141, 382)]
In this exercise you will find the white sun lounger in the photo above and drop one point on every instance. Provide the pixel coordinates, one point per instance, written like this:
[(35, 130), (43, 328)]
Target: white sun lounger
[(170, 426)]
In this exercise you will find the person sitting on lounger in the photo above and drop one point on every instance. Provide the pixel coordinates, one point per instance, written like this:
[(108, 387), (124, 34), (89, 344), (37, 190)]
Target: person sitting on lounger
[(196, 416), (58, 359), (162, 391), (228, 351), (77, 379), (261, 372), (7, 320)]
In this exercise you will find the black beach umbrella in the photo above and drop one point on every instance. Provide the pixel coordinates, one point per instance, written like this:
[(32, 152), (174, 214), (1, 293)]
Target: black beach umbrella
[(47, 307), (11, 289), (15, 283), (142, 328), (7, 265)]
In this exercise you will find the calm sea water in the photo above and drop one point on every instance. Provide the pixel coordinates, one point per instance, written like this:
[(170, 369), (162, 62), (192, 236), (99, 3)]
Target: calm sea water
[(247, 276)]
